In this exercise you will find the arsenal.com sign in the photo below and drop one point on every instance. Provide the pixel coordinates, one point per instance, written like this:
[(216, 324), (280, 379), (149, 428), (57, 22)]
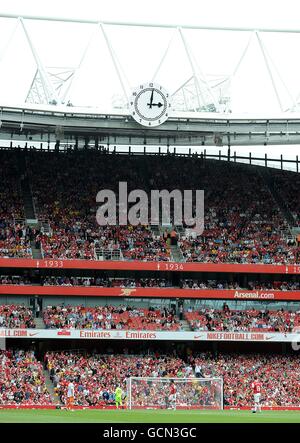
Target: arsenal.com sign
[(88, 334)]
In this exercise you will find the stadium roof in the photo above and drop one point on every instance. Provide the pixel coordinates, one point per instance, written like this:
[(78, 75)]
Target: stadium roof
[(229, 85), (97, 63)]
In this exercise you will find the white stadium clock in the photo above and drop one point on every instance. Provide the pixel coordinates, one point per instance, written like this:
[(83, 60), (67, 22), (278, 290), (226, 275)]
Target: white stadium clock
[(150, 104)]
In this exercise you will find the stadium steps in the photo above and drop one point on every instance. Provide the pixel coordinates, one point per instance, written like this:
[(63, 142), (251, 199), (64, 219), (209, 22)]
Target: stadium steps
[(45, 227), (185, 326), (27, 199), (155, 229), (176, 253), (39, 323), (29, 206), (36, 253), (55, 398)]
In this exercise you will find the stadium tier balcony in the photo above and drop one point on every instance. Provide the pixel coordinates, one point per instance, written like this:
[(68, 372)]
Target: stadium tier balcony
[(251, 285), (105, 282), (85, 281), (246, 320), (110, 317), (243, 222)]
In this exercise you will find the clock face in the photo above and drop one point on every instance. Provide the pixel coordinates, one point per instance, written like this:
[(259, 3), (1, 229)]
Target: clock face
[(149, 104)]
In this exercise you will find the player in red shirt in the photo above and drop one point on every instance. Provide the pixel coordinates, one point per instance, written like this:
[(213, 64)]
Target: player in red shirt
[(256, 386), (172, 396)]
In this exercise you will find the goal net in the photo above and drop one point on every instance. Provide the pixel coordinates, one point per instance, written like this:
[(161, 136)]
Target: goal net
[(174, 393)]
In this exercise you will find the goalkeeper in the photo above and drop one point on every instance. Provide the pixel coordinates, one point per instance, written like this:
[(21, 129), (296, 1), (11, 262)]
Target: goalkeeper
[(118, 396)]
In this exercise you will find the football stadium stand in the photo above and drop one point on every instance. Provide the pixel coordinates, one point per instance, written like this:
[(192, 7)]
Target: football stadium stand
[(243, 221)]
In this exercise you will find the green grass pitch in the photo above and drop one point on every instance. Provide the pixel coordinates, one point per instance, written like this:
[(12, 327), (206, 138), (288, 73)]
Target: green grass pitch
[(155, 416)]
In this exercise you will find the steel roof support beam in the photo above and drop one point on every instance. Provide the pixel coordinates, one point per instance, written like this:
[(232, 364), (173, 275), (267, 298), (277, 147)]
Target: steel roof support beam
[(242, 57), (182, 86), (151, 25), (34, 90), (164, 56), (115, 61), (197, 86), (47, 85), (278, 73), (66, 96), (9, 40), (197, 80), (269, 70)]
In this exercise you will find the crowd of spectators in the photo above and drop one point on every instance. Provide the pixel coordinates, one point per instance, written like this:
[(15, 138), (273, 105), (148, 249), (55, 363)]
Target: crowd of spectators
[(14, 240), (74, 232), (22, 381), (16, 316), (105, 282), (85, 281), (288, 185), (251, 285), (111, 317), (14, 235), (124, 317), (278, 374), (242, 223), (96, 376), (249, 320)]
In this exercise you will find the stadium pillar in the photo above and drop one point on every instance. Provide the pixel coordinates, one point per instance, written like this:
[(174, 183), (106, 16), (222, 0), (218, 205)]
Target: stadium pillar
[(86, 142), (283, 348), (215, 347)]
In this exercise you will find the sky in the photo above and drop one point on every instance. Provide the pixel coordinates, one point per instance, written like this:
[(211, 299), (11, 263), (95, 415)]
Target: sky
[(256, 13), (139, 51)]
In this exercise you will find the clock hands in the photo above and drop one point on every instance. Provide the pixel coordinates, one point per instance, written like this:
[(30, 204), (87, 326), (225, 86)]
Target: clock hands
[(151, 99), (159, 104)]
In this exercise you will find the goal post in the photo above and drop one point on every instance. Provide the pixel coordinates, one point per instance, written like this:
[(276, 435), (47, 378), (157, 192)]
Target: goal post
[(174, 393)]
